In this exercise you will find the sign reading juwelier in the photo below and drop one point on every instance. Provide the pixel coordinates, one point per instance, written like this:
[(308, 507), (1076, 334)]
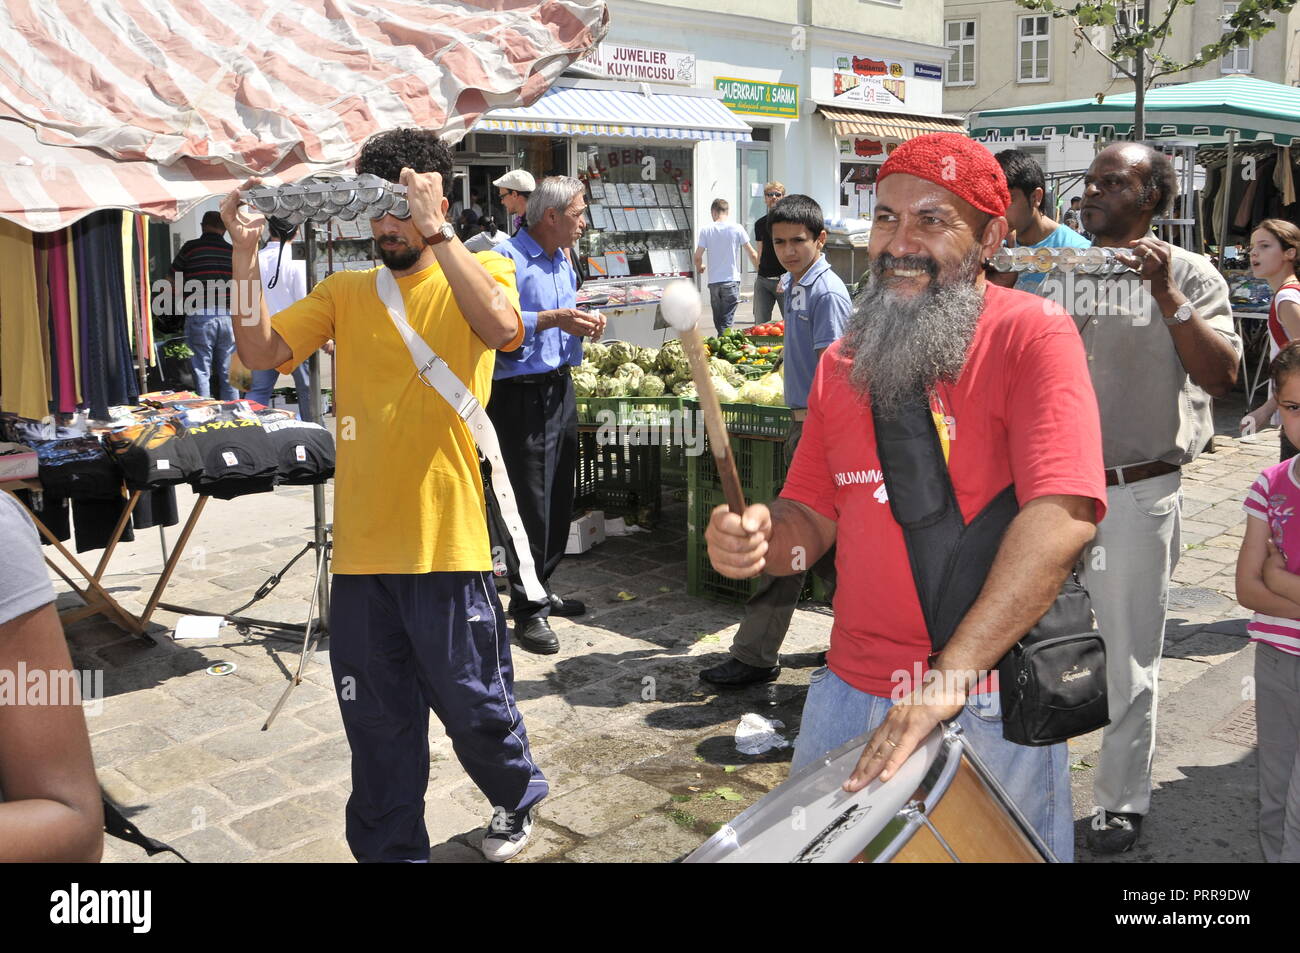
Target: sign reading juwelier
[(753, 98), (642, 63)]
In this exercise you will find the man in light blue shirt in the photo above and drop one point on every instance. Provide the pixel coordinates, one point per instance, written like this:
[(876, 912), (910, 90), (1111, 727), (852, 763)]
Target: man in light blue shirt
[(532, 405), (721, 242), (817, 308), (1026, 217)]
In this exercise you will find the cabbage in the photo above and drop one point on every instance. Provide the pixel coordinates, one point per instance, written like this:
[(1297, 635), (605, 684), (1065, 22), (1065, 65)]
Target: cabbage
[(595, 354), (584, 383), (726, 393), (606, 387), (617, 354), (752, 392), (680, 365), (646, 358), (650, 386), (630, 372), (768, 391), (670, 350), (685, 389)]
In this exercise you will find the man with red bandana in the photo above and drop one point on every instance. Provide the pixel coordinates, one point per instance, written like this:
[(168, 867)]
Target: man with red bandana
[(1009, 387)]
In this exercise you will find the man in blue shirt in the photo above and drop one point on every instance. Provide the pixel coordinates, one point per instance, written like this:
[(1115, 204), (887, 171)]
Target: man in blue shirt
[(532, 405), (817, 308), (1027, 219)]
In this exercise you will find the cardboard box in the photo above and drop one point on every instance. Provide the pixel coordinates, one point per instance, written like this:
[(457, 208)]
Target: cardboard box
[(19, 463), (585, 532)]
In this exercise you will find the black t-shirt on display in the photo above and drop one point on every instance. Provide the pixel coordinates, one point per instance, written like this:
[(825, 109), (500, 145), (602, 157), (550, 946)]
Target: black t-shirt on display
[(154, 454), (304, 452), (238, 458), (769, 266)]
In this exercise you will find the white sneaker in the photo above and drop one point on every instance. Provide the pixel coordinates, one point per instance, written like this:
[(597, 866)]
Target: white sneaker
[(507, 834)]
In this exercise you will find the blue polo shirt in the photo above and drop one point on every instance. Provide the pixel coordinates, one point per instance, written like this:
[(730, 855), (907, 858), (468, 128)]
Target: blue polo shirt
[(544, 285), (817, 308)]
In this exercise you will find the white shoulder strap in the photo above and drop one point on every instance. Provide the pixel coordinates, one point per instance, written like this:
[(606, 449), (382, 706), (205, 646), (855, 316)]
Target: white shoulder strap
[(433, 371)]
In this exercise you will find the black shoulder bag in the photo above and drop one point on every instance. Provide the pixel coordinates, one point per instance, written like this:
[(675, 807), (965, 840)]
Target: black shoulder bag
[(1053, 681)]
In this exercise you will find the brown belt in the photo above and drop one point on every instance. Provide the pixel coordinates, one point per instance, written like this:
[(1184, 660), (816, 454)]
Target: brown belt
[(1143, 471)]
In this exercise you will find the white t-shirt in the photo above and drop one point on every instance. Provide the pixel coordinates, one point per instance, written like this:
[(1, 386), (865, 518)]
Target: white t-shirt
[(292, 285), (722, 242), (482, 241)]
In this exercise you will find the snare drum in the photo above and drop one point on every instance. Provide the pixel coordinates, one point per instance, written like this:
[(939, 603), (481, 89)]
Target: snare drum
[(942, 805)]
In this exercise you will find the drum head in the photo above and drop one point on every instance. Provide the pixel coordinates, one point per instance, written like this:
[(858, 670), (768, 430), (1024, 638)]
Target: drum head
[(811, 819)]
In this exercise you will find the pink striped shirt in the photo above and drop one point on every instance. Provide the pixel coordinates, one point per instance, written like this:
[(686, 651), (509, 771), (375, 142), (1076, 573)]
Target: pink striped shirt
[(1275, 497)]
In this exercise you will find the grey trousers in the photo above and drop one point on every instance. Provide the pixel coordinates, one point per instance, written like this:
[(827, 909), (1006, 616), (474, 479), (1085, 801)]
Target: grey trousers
[(1277, 726), (770, 609), (1126, 571), (765, 296)]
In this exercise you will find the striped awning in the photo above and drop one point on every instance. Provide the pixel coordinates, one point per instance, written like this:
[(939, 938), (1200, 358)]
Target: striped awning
[(879, 125), (1205, 111), (192, 96), (622, 113)]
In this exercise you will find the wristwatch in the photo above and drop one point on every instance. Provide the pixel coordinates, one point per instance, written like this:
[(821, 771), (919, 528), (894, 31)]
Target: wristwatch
[(1182, 315), (445, 233)]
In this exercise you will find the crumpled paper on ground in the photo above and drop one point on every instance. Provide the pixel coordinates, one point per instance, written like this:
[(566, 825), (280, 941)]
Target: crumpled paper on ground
[(756, 734), (618, 527)]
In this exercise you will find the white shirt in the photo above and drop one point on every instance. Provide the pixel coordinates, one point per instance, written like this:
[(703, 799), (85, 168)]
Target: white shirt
[(482, 241), (722, 242), (292, 285)]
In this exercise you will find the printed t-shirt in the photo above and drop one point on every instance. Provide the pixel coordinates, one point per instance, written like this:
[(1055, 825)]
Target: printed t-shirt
[(1023, 411), (408, 495), (1275, 498)]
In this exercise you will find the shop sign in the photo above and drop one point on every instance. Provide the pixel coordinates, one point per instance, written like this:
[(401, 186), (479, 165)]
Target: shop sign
[(642, 64), (867, 81), (867, 147), (752, 98)]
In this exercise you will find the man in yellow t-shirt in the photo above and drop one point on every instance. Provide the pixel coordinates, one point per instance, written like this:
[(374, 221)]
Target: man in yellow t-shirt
[(415, 622)]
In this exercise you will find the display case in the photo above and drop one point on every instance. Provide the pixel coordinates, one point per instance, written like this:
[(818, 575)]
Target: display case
[(340, 246), (640, 233)]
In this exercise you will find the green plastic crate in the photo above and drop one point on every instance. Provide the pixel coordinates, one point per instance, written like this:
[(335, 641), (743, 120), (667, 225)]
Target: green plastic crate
[(672, 465), (703, 580), (760, 463), (752, 420), (653, 411), (621, 478)]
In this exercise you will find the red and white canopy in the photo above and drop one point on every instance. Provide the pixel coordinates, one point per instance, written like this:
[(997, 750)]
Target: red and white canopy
[(153, 105)]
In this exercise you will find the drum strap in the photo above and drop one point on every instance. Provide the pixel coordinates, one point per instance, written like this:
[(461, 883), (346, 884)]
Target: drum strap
[(950, 560)]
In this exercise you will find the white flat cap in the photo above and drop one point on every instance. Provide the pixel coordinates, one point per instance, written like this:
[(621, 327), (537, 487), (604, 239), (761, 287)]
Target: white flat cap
[(518, 180)]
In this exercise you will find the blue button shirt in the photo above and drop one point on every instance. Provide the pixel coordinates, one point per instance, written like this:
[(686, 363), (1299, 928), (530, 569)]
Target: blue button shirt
[(544, 285), (817, 308)]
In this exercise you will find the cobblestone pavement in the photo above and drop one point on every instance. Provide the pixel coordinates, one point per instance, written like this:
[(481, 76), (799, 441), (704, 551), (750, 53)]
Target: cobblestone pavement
[(640, 754)]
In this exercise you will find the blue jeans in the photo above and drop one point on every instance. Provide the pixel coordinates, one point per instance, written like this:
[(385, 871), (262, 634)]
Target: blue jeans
[(1037, 779), (212, 339), (724, 296), (264, 384)]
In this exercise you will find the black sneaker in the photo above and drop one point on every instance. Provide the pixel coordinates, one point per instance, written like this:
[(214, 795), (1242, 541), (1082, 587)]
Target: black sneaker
[(1117, 834), (507, 834), (734, 673)]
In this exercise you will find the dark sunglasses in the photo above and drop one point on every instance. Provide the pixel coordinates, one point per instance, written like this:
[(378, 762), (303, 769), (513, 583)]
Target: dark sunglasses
[(774, 195)]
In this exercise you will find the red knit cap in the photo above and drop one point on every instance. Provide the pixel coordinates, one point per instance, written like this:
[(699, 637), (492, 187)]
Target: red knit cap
[(956, 163)]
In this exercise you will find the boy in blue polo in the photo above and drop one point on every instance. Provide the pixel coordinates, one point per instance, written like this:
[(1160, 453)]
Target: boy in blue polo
[(817, 307)]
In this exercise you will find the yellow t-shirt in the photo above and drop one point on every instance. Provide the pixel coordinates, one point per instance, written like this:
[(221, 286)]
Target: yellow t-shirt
[(408, 496)]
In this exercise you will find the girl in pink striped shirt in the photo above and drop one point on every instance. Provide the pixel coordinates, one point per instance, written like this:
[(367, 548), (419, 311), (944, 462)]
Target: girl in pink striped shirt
[(1268, 581)]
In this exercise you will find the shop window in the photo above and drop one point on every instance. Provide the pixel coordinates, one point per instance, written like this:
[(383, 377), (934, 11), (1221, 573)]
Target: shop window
[(1238, 59), (640, 209)]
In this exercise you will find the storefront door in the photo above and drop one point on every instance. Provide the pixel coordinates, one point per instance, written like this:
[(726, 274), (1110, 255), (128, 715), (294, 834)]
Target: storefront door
[(752, 173)]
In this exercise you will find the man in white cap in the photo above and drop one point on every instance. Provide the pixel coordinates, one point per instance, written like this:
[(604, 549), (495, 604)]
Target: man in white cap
[(513, 190)]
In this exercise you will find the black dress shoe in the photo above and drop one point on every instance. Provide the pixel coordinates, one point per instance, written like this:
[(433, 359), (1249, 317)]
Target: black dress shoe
[(536, 635), (734, 673), (566, 607), (1120, 833)]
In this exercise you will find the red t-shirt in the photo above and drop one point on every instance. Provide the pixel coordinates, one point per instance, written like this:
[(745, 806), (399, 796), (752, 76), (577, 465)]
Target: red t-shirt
[(1023, 411)]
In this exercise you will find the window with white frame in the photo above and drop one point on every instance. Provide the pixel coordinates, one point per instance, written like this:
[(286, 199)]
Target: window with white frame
[(1035, 49), (961, 38), (1127, 19), (1236, 60)]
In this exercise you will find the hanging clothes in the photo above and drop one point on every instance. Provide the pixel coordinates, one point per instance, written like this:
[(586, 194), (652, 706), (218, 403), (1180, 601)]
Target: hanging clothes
[(75, 309), (64, 371), (24, 388), (107, 373), (1284, 176)]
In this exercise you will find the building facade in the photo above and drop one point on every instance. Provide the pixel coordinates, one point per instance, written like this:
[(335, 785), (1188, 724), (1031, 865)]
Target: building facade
[(1004, 55)]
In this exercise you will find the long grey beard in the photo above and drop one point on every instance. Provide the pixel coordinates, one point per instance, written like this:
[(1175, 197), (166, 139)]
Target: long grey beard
[(901, 347)]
